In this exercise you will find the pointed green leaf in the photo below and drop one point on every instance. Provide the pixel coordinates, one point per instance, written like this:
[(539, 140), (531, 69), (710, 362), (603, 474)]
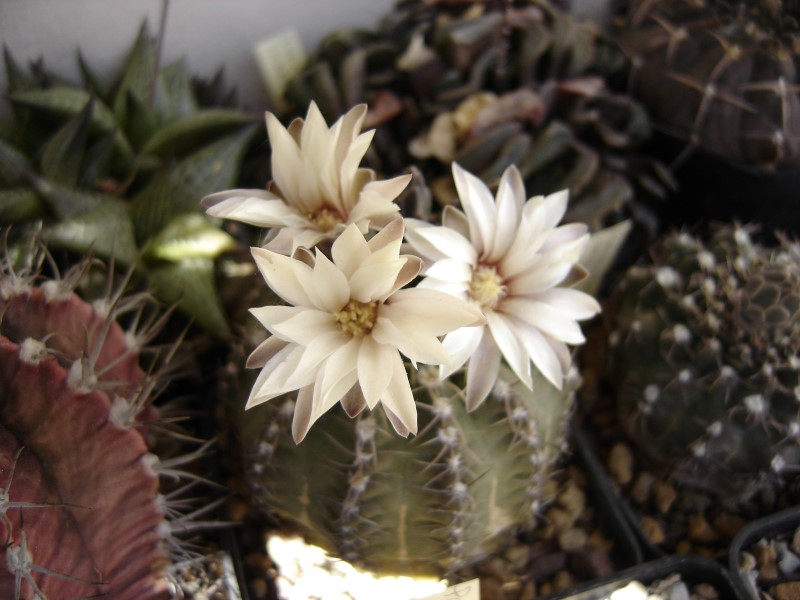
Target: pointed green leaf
[(14, 165), (152, 207), (177, 85), (599, 254), (193, 131), (140, 121), (17, 79), (191, 282), (63, 153), (138, 76), (90, 81), (212, 168), (67, 102), (187, 236), (18, 205), (67, 202), (106, 231), (96, 161)]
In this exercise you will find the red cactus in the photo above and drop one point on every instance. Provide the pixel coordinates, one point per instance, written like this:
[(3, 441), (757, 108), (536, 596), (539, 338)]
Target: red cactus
[(78, 500)]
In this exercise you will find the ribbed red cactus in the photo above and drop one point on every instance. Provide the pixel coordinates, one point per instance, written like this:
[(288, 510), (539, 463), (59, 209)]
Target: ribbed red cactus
[(78, 498)]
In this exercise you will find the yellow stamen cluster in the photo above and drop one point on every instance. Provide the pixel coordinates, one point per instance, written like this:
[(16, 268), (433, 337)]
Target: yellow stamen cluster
[(325, 219), (357, 318), (486, 287)]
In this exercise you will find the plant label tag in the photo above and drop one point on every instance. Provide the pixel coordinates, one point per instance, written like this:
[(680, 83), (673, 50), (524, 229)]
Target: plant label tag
[(279, 58), (468, 590)]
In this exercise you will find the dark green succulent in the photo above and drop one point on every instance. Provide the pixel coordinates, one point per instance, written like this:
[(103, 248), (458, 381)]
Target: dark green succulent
[(489, 85), (706, 362), (720, 74), (119, 170)]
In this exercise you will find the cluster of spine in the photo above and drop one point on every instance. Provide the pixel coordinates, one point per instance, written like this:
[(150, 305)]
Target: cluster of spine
[(706, 359), (83, 510), (719, 74), (434, 504)]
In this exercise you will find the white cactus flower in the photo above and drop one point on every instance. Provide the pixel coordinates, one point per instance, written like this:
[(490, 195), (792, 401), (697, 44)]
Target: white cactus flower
[(342, 337), (508, 257), (317, 188)]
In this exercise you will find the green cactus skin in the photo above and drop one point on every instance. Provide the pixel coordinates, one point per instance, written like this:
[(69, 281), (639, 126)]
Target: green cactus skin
[(719, 74), (433, 504), (706, 360), (83, 508)]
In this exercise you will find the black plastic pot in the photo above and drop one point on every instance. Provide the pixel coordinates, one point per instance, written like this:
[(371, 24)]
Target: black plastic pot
[(692, 569), (776, 526), (716, 188)]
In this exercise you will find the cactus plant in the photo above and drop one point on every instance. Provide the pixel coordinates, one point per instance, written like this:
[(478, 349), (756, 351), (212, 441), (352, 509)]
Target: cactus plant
[(719, 79), (706, 356), (489, 85), (434, 504), (117, 171), (719, 74), (83, 510)]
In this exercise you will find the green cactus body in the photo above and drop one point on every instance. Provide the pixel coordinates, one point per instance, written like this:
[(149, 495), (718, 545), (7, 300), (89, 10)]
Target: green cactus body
[(719, 74), (430, 505), (706, 356)]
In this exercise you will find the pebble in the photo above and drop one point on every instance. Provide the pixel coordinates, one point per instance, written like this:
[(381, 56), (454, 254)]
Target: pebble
[(643, 487), (572, 539), (665, 495), (766, 557), (787, 591), (728, 525), (796, 541), (652, 529), (788, 561), (701, 531), (573, 500), (620, 463)]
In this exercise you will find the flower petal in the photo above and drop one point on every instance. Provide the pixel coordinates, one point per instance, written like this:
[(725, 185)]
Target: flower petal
[(349, 250), (451, 270), (546, 318), (430, 241), (265, 351), (575, 304), (482, 371), (287, 277), (374, 370), (510, 346), (303, 413), (543, 354), (460, 345), (434, 312), (398, 400), (479, 206), (510, 199)]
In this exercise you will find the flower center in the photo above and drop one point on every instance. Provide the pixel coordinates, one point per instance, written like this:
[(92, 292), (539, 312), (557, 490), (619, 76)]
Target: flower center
[(325, 219), (357, 318), (486, 287)]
